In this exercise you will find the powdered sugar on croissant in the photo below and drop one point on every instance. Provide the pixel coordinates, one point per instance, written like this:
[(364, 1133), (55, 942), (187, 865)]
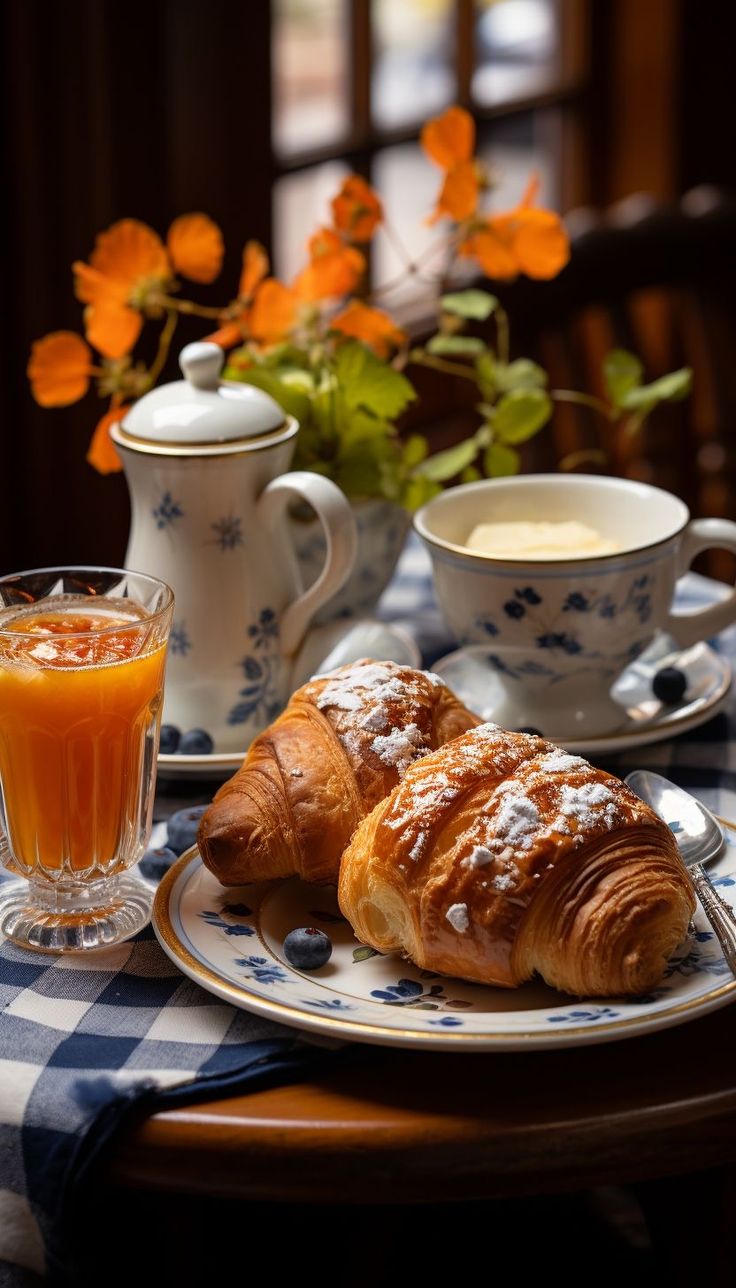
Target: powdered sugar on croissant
[(500, 855), (343, 742)]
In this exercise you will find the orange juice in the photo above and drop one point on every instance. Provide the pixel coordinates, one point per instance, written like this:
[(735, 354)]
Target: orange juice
[(80, 695)]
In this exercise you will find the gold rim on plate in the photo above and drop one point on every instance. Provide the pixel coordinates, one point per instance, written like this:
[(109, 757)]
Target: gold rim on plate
[(196, 970)]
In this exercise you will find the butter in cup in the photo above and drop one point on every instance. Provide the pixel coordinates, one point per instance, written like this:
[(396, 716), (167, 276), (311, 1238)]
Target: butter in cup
[(532, 539)]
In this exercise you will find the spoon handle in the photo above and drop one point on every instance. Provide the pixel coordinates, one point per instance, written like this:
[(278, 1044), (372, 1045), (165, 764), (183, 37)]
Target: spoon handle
[(718, 912)]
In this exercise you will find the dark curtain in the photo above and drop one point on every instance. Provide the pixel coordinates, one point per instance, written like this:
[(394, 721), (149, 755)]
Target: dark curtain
[(110, 108)]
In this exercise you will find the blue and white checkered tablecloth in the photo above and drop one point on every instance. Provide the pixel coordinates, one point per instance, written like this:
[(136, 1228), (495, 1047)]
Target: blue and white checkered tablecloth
[(83, 1041)]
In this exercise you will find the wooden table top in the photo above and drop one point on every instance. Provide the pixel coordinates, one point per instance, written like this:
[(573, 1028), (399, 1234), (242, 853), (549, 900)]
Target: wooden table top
[(381, 1125)]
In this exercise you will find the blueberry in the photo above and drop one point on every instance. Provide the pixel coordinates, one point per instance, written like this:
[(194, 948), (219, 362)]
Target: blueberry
[(170, 739), (157, 862), (196, 742), (669, 685), (536, 733), (307, 948), (182, 828)]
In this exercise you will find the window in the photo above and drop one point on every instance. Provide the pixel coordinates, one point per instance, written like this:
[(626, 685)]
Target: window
[(353, 81)]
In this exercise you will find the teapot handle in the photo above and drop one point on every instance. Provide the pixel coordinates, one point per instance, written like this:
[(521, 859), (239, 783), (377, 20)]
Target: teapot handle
[(336, 517)]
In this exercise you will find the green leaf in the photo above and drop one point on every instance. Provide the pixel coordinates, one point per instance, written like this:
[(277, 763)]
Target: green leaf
[(485, 373), (294, 401), (363, 953), (364, 468), (416, 448), (366, 381), (455, 344), (417, 491), (471, 475), (522, 374), (520, 414), (622, 372), (478, 305), (500, 461), (670, 388), (357, 426), (445, 465)]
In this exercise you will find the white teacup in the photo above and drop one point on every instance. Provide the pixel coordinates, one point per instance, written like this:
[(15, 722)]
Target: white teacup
[(559, 632)]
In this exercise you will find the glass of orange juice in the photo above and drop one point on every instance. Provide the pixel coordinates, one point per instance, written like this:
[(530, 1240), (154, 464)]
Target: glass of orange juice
[(82, 658)]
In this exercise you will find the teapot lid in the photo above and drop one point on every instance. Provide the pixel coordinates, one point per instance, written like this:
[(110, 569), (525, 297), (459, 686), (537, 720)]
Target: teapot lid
[(202, 409)]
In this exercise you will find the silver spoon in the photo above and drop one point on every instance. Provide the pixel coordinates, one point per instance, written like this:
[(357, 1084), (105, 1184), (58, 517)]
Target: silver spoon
[(699, 838)]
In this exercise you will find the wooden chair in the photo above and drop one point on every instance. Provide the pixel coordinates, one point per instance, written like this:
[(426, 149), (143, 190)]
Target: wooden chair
[(660, 281)]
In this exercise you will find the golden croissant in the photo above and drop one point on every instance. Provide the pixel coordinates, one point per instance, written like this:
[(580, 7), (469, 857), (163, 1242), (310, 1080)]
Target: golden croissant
[(500, 856), (341, 745)]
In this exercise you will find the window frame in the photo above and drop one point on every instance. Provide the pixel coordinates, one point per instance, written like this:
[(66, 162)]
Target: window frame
[(563, 109), (359, 145)]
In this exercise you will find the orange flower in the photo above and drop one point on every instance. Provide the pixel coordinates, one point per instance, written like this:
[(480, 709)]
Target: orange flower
[(255, 268), (196, 247), (274, 312), (491, 245), (334, 268), (372, 326), (129, 263), (59, 369), (522, 240), (356, 210), (102, 455), (230, 333), (450, 138), (459, 194)]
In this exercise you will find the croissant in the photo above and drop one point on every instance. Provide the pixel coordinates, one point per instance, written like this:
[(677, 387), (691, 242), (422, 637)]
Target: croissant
[(500, 855), (341, 745)]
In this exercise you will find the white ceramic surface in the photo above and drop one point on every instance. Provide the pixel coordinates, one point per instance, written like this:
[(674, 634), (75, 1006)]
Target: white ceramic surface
[(209, 518), (381, 530), (559, 633), (201, 409), (230, 941), (643, 718), (325, 647)]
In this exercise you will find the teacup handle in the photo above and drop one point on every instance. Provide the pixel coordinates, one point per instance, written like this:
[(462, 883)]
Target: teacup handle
[(690, 628), (336, 516)]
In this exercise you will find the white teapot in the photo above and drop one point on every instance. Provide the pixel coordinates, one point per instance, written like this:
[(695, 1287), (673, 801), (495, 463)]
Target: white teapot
[(205, 461)]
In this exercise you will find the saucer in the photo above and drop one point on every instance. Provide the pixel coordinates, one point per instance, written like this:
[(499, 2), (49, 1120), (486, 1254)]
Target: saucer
[(341, 642), (325, 648), (644, 719)]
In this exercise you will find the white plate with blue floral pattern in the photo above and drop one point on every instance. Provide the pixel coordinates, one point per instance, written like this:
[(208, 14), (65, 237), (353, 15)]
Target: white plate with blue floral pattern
[(230, 941), (644, 719)]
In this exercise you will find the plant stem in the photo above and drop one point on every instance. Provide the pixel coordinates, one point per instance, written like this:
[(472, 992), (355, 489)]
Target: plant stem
[(585, 400), (423, 359), (398, 246), (412, 269), (593, 454), (164, 344), (631, 425), (189, 307), (502, 333)]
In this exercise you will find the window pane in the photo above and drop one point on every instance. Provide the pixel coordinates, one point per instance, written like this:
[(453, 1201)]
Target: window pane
[(517, 49), (310, 73), (413, 75), (408, 185), (301, 202), (512, 150)]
